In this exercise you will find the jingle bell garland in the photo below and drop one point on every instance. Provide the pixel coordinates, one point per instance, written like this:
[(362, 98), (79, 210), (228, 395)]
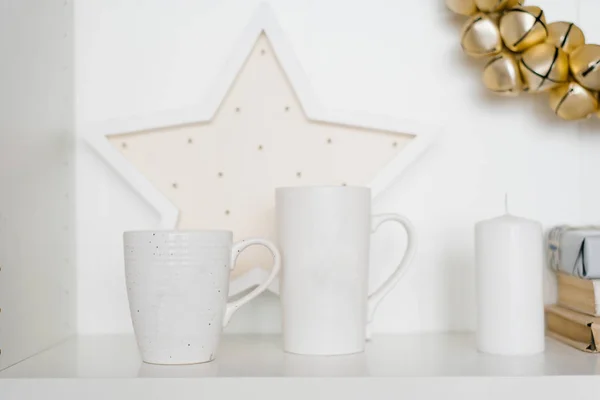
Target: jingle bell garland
[(544, 67), (502, 76), (462, 7), (527, 55), (565, 35), (585, 66), (492, 6), (480, 37), (571, 101), (523, 27)]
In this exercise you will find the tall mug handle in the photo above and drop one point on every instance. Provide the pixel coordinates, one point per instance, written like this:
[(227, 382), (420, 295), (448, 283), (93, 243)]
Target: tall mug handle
[(237, 248), (392, 281)]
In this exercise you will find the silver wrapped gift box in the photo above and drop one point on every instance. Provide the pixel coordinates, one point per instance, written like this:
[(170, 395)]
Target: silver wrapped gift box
[(575, 251)]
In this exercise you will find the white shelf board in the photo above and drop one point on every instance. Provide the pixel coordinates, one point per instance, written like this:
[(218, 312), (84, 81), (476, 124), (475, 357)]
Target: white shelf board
[(425, 363), (423, 355)]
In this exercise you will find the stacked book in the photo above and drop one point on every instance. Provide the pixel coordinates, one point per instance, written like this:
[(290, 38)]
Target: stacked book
[(575, 319)]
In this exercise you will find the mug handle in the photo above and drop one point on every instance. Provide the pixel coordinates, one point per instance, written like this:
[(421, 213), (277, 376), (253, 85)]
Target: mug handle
[(237, 248), (411, 247)]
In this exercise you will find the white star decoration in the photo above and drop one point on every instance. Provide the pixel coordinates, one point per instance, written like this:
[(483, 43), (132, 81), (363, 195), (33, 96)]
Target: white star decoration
[(216, 165)]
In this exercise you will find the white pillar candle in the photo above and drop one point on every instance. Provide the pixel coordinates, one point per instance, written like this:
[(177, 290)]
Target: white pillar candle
[(509, 269)]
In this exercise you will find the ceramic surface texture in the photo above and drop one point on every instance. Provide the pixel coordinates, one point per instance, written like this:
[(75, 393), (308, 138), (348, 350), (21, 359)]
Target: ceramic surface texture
[(178, 284), (324, 234)]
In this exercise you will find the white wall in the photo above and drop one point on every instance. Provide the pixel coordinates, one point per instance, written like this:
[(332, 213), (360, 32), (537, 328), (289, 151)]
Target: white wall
[(396, 58), (37, 240)]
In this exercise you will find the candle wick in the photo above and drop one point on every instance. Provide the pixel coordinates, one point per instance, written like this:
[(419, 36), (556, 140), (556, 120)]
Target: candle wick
[(506, 202)]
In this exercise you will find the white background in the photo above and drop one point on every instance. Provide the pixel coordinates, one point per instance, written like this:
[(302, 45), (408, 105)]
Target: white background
[(398, 58)]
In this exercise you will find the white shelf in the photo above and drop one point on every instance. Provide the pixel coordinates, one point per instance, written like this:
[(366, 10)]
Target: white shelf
[(427, 363)]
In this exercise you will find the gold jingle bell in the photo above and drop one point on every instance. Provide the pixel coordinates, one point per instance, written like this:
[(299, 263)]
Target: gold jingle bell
[(585, 66), (544, 67), (572, 101), (497, 5), (502, 76), (565, 35), (481, 37), (523, 27), (462, 7)]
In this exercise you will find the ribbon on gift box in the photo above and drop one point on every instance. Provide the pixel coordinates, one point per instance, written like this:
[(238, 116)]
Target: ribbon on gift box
[(576, 254)]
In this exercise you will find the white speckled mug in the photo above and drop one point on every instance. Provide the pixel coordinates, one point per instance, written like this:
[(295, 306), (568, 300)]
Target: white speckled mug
[(178, 285)]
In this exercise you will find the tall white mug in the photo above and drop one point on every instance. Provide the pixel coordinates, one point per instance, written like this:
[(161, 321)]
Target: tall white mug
[(178, 285), (324, 238)]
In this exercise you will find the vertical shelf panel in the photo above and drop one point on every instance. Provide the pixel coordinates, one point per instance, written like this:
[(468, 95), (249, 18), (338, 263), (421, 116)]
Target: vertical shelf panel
[(37, 276)]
